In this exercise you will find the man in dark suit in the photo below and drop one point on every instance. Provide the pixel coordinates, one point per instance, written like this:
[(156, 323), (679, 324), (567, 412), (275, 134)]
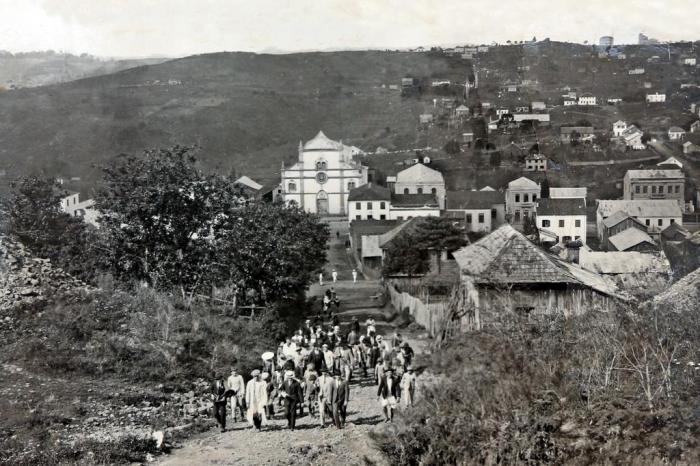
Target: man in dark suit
[(388, 393), (292, 397), (341, 401), (316, 357)]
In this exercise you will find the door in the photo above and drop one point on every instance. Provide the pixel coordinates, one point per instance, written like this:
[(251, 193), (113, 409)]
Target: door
[(322, 203)]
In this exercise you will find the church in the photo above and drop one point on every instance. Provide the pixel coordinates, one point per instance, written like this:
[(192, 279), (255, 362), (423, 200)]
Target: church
[(322, 178)]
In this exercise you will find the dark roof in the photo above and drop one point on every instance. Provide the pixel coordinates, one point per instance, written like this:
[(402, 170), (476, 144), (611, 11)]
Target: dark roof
[(470, 200), (675, 232), (408, 226), (371, 227), (370, 192), (413, 200), (561, 207)]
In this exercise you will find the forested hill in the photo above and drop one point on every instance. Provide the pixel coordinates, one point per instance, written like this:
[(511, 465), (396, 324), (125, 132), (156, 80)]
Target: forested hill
[(244, 110)]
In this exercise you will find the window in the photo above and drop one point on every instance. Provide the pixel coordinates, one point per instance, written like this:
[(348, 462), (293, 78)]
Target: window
[(481, 218), (561, 223), (526, 214), (525, 198), (637, 189), (577, 223), (661, 189), (369, 217), (382, 205), (648, 222), (517, 198), (534, 197), (678, 189), (351, 185), (358, 217), (566, 239), (321, 177), (382, 217), (517, 217), (434, 191), (292, 187), (469, 218), (405, 190), (494, 213), (545, 223), (660, 222), (577, 237), (358, 205), (399, 217), (369, 206), (321, 165), (673, 220), (420, 190), (644, 189), (653, 189)]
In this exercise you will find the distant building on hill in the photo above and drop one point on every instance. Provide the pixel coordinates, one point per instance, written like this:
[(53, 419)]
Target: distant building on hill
[(656, 97), (676, 133), (606, 41), (655, 184), (535, 163), (587, 100)]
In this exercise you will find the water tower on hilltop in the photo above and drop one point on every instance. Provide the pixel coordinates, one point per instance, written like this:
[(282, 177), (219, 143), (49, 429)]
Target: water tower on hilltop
[(606, 41)]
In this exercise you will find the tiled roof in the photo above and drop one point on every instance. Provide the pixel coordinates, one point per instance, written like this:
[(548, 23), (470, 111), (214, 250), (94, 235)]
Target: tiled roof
[(629, 238), (409, 225), (370, 192), (616, 218), (523, 182), (655, 174), (561, 207), (506, 257), (371, 227), (322, 142), (246, 181), (567, 193), (618, 262), (466, 200), (675, 232), (640, 207), (413, 200), (676, 129), (419, 173)]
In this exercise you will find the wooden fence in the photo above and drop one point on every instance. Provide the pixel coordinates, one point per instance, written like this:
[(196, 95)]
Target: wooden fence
[(427, 315)]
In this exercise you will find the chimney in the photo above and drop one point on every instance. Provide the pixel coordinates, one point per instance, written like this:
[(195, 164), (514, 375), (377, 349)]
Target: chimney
[(572, 251)]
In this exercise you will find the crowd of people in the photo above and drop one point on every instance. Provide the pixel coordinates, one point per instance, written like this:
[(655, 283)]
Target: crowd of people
[(313, 370)]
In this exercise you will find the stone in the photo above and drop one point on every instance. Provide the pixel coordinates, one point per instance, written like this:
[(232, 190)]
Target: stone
[(159, 437)]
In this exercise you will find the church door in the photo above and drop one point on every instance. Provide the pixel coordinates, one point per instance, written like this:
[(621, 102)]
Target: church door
[(322, 203)]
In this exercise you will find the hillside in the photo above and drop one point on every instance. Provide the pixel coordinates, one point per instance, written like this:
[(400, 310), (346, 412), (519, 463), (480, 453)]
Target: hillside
[(244, 110), (32, 69)]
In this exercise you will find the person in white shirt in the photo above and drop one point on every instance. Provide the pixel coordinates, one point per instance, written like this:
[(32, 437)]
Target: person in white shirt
[(320, 279), (289, 347), (354, 276), (408, 387), (236, 383), (334, 274)]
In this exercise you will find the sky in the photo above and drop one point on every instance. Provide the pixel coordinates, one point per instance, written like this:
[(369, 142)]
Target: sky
[(140, 28)]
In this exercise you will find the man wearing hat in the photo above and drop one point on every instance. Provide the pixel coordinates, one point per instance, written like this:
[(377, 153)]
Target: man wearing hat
[(310, 387), (408, 386), (236, 384), (328, 357), (388, 392), (291, 391), (219, 399), (341, 400), (327, 394), (256, 399)]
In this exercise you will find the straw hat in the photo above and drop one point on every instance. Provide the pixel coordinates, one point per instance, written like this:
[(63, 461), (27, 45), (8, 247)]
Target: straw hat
[(268, 355)]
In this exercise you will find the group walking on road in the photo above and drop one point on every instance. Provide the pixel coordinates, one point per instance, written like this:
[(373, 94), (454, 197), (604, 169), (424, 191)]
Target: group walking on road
[(314, 369)]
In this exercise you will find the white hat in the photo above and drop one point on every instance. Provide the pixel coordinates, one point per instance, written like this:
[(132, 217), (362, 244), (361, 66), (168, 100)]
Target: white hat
[(268, 355), (289, 374)]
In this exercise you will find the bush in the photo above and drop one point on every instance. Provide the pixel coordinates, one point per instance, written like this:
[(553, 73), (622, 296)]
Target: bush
[(558, 391)]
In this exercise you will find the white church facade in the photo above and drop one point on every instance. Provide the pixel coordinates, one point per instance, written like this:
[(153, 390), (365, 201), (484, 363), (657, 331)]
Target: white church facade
[(322, 178)]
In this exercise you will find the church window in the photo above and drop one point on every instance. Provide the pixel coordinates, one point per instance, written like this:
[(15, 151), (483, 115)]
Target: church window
[(351, 185), (405, 190), (321, 164), (292, 187), (420, 190), (321, 177), (434, 190)]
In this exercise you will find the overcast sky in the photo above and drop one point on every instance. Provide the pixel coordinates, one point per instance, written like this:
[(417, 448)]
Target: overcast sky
[(130, 28)]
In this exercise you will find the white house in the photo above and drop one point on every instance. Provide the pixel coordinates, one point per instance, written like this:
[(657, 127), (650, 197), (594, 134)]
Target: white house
[(561, 220), (538, 106), (521, 199), (569, 102), (587, 99), (408, 206), (419, 179), (369, 202), (619, 127), (73, 206), (636, 71), (632, 138), (322, 178), (482, 211), (695, 127), (535, 163), (676, 133), (656, 97), (690, 61), (569, 193)]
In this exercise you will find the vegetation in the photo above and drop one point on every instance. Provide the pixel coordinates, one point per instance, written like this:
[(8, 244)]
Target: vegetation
[(602, 389)]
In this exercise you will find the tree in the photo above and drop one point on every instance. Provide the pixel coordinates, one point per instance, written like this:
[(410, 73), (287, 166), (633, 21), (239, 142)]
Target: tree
[(544, 189), (495, 159), (403, 257), (452, 147), (530, 228), (439, 234)]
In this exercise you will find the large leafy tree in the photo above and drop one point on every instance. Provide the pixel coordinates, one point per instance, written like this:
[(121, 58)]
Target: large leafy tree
[(158, 211), (268, 251), (439, 234), (402, 257)]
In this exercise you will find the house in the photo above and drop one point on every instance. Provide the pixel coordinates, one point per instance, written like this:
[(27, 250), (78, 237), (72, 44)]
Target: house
[(633, 138), (695, 126), (420, 179), (369, 202), (643, 275), (502, 111), (618, 128), (654, 214), (522, 109), (614, 101), (576, 133), (322, 178), (425, 118), (614, 224), (73, 206), (468, 138), (656, 97), (408, 206), (690, 148), (535, 163), (670, 163), (521, 200), (695, 108), (587, 99), (505, 272), (462, 111), (654, 184), (690, 61), (538, 106), (569, 193), (542, 118), (482, 211), (674, 232), (561, 220), (364, 240), (676, 133), (569, 102), (632, 239), (636, 71), (440, 82)]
